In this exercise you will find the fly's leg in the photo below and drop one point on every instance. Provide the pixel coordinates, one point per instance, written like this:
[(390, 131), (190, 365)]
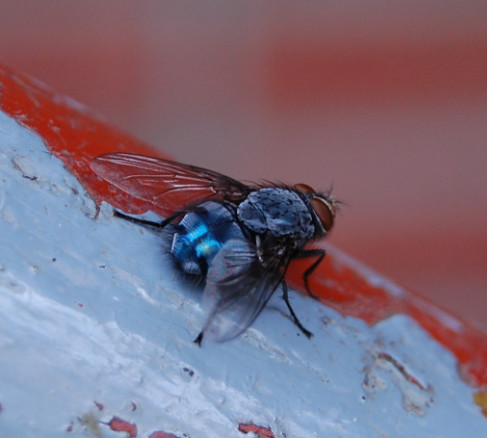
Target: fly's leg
[(146, 223), (198, 339), (319, 254), (135, 220), (291, 311), (296, 321)]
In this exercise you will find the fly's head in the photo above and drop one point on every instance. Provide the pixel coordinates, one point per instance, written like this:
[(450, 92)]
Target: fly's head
[(322, 206)]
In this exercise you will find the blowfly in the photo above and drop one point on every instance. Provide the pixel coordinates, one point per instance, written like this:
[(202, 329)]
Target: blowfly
[(238, 239)]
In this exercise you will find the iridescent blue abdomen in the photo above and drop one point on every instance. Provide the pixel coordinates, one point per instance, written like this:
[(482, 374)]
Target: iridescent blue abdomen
[(200, 235)]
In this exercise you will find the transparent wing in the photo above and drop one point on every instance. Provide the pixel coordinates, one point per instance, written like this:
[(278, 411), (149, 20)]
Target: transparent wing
[(160, 181), (238, 286)]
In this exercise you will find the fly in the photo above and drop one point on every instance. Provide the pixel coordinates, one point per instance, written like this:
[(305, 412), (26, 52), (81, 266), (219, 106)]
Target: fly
[(238, 239)]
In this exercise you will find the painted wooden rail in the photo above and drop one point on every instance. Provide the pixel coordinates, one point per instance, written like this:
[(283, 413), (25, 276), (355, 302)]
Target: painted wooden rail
[(96, 328)]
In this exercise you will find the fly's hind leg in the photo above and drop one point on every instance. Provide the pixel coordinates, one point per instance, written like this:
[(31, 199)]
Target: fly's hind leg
[(291, 311), (146, 223), (135, 220)]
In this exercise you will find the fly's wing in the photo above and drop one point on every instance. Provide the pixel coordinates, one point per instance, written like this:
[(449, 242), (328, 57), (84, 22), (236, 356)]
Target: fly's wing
[(168, 185), (238, 285)]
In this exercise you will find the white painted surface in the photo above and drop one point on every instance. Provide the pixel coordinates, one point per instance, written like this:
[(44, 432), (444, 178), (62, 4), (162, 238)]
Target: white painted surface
[(90, 310)]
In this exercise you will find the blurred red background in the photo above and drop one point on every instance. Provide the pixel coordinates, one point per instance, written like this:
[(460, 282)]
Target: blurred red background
[(386, 101)]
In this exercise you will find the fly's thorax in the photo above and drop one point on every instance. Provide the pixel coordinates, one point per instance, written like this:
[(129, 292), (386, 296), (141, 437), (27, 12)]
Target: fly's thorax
[(279, 211), (200, 235)]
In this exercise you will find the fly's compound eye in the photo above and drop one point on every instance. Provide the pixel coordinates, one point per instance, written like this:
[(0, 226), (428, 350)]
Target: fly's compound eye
[(324, 206), (325, 211), (305, 189)]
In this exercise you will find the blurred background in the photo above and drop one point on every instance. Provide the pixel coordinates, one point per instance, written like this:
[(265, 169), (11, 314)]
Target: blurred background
[(386, 101)]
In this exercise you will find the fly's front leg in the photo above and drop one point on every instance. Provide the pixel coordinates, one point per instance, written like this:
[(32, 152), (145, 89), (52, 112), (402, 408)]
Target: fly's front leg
[(291, 311), (319, 254)]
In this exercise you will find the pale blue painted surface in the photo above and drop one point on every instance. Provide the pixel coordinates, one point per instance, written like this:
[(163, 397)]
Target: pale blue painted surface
[(90, 310)]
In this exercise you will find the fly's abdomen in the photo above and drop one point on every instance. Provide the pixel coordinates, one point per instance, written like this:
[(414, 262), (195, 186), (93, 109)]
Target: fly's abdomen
[(200, 235), (194, 248)]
